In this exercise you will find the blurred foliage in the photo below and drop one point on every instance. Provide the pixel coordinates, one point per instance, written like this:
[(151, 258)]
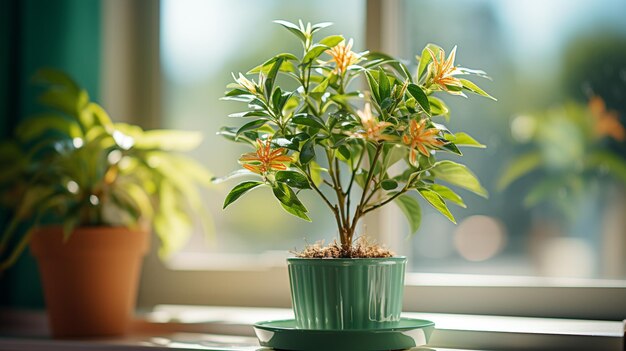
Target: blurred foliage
[(73, 166), (358, 135), (568, 147)]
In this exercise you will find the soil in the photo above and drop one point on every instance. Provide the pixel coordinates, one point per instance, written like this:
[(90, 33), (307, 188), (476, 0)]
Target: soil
[(361, 248)]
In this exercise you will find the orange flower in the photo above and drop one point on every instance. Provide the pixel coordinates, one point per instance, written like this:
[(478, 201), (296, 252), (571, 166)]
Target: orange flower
[(419, 138), (607, 122), (343, 56), (372, 128), (265, 159), (442, 71)]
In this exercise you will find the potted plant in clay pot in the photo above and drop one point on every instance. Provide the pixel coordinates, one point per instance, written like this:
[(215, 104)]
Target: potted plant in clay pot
[(85, 192), (359, 151)]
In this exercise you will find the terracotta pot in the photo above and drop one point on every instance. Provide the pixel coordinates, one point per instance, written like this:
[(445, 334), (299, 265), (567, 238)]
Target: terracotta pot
[(90, 281)]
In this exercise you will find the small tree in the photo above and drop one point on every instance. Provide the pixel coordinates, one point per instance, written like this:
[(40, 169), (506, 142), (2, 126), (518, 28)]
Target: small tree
[(327, 137)]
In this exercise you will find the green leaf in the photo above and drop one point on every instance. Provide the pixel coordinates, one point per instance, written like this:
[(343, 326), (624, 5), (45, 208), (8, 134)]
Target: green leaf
[(193, 169), (32, 199), (308, 121), (518, 168), (237, 92), (426, 58), (378, 58), (100, 115), (140, 198), (277, 99), (171, 173), (463, 139), (314, 52), (475, 89), (293, 29), (389, 184), (36, 126), (393, 153), (250, 114), (316, 173), (317, 26), (254, 125), (69, 224), (343, 153), (321, 87), (437, 202), (371, 81), (459, 175), (447, 194), (235, 174), (289, 201), (271, 75), (331, 40), (451, 148), (62, 100), (438, 107), (172, 226), (293, 179), (412, 211), (384, 88), (265, 67), (13, 163), (307, 153), (420, 96), (55, 77), (239, 190)]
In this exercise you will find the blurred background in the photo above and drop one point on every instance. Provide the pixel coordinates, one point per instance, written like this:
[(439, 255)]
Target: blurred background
[(166, 64)]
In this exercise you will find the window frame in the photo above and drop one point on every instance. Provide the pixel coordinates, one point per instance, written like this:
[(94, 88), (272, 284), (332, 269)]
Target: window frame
[(131, 86)]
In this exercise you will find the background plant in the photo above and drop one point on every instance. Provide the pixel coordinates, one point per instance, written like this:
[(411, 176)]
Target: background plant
[(569, 146), (323, 135), (73, 166)]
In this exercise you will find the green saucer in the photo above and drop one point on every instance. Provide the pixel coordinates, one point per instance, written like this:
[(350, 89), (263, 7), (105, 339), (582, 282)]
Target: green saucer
[(284, 335)]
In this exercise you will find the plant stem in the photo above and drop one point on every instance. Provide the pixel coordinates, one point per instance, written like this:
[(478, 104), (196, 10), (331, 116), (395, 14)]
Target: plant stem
[(359, 212), (307, 173), (333, 169), (352, 177), (388, 200)]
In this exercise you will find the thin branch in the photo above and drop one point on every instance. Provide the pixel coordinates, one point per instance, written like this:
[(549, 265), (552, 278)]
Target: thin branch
[(337, 187), (352, 178), (359, 210), (354, 170), (380, 204), (307, 173), (337, 174), (372, 193)]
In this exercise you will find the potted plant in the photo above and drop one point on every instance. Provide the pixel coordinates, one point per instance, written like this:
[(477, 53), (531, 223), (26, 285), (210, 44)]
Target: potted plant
[(311, 129), (84, 192)]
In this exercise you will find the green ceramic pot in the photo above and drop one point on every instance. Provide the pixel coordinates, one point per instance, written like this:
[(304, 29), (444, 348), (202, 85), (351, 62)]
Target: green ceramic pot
[(347, 293)]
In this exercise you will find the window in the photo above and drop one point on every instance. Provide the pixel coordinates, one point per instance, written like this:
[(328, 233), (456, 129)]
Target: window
[(542, 54)]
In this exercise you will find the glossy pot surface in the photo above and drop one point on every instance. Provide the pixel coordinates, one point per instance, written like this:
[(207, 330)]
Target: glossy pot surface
[(359, 293)]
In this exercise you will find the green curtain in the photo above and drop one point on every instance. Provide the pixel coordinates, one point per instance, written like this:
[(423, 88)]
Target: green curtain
[(62, 34)]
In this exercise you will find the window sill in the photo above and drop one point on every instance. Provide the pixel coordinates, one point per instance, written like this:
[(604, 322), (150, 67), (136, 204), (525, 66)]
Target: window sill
[(172, 327), (192, 282)]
